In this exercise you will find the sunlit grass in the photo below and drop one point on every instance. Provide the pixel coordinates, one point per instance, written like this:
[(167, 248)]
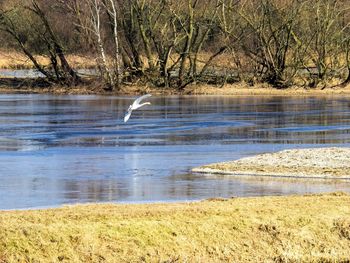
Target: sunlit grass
[(324, 162), (312, 228), (17, 60)]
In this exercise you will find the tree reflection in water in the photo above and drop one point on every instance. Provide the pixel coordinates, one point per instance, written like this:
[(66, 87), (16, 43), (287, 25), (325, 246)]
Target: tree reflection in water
[(67, 149)]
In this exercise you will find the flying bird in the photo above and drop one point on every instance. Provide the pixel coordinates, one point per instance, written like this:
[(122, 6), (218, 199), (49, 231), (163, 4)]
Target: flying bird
[(136, 104)]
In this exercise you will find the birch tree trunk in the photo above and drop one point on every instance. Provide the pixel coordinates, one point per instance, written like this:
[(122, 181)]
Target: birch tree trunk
[(96, 23), (116, 60)]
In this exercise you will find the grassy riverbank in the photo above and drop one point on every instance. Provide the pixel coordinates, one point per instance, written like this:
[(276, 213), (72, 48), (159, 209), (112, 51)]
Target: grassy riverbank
[(12, 60), (10, 86), (314, 228)]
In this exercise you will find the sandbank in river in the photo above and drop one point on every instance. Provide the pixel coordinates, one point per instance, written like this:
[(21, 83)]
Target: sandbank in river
[(332, 163)]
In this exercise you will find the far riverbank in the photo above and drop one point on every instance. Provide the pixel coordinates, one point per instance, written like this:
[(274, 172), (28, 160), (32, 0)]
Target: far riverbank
[(39, 86)]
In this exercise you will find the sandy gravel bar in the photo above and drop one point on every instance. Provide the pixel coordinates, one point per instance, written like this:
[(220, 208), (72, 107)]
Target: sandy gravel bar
[(331, 163)]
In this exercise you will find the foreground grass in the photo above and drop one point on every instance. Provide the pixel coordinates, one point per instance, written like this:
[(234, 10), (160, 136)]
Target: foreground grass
[(282, 229)]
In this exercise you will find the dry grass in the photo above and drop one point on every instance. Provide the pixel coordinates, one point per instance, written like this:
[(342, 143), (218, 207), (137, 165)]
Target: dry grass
[(238, 89), (243, 89), (17, 60), (10, 59), (328, 162), (312, 228)]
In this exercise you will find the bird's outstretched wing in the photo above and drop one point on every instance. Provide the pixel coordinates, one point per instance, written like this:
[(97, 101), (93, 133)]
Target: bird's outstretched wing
[(138, 100), (135, 105), (127, 115)]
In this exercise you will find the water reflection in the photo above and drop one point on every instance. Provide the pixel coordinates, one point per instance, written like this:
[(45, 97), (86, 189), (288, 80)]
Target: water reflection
[(67, 149)]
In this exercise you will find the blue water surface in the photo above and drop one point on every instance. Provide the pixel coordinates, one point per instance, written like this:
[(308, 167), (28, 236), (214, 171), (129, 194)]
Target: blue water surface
[(56, 150)]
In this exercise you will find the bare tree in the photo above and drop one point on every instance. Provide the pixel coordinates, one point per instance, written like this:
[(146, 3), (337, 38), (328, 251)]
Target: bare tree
[(62, 71), (9, 27), (206, 23), (160, 25), (141, 8), (68, 71), (130, 44), (271, 29), (110, 7), (95, 8), (176, 43)]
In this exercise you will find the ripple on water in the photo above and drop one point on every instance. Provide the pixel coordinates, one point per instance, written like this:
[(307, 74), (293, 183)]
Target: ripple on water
[(66, 149)]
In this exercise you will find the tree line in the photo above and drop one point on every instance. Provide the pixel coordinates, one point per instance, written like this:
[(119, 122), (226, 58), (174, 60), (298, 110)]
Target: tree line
[(174, 43)]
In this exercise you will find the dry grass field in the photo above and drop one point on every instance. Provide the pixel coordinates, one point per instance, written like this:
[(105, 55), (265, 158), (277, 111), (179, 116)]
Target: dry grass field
[(17, 60), (311, 228)]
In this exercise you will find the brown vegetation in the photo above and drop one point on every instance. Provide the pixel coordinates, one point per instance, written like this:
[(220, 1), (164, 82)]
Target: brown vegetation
[(173, 44), (41, 86), (331, 163), (312, 228), (10, 59)]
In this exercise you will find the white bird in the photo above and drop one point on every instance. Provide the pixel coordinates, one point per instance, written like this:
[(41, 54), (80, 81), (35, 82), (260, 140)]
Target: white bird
[(136, 104)]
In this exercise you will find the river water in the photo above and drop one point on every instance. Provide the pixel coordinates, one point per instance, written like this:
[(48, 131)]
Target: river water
[(56, 150)]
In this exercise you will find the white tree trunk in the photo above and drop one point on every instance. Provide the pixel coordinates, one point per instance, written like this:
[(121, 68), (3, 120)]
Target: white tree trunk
[(116, 43), (97, 30)]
